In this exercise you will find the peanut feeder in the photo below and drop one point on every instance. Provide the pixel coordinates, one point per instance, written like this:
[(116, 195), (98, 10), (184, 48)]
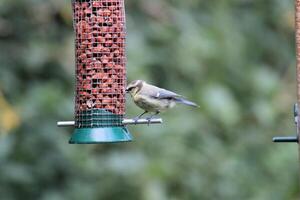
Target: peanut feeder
[(100, 71)]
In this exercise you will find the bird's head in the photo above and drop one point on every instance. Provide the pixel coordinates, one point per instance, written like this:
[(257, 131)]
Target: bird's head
[(134, 87)]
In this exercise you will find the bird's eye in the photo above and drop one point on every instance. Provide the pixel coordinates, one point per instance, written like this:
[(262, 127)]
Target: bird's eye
[(129, 89)]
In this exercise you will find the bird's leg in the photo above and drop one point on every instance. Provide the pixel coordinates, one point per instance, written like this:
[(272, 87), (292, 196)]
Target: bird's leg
[(138, 117), (149, 118)]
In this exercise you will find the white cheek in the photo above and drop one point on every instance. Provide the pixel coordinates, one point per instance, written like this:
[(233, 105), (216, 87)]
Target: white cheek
[(134, 91)]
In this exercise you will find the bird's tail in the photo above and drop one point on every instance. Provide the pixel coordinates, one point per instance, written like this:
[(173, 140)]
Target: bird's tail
[(185, 102)]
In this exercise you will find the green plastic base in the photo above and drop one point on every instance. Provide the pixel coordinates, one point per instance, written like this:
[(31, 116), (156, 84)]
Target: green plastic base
[(100, 135)]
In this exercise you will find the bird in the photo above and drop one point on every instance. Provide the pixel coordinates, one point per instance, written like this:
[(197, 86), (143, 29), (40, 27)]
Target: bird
[(153, 99)]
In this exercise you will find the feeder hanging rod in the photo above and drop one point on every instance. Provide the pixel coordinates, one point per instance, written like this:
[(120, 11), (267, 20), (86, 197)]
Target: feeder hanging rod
[(124, 122)]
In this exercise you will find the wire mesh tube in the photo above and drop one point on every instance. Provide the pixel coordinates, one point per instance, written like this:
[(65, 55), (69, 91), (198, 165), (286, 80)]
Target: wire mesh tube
[(100, 70), (100, 62)]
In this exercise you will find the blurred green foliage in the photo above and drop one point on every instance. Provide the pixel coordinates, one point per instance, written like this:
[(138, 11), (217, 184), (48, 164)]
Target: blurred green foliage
[(235, 58)]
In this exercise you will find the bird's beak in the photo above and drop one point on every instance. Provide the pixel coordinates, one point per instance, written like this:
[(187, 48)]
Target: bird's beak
[(126, 90)]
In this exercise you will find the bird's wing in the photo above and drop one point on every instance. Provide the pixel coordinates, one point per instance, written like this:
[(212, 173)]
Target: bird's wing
[(166, 94), (159, 93)]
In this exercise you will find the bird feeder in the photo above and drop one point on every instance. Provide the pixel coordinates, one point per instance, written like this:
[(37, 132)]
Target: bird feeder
[(100, 72)]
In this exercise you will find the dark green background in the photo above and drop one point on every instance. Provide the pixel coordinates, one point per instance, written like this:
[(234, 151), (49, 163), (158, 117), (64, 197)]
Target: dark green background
[(235, 58)]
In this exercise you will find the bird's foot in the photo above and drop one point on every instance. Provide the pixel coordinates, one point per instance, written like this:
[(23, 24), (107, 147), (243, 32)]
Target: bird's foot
[(149, 120), (136, 119)]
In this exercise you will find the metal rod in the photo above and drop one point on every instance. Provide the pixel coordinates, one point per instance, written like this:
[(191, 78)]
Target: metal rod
[(142, 121), (124, 122), (65, 123), (285, 139)]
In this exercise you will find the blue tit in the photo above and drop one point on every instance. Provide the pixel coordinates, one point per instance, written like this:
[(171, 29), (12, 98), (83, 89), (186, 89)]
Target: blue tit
[(154, 99)]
